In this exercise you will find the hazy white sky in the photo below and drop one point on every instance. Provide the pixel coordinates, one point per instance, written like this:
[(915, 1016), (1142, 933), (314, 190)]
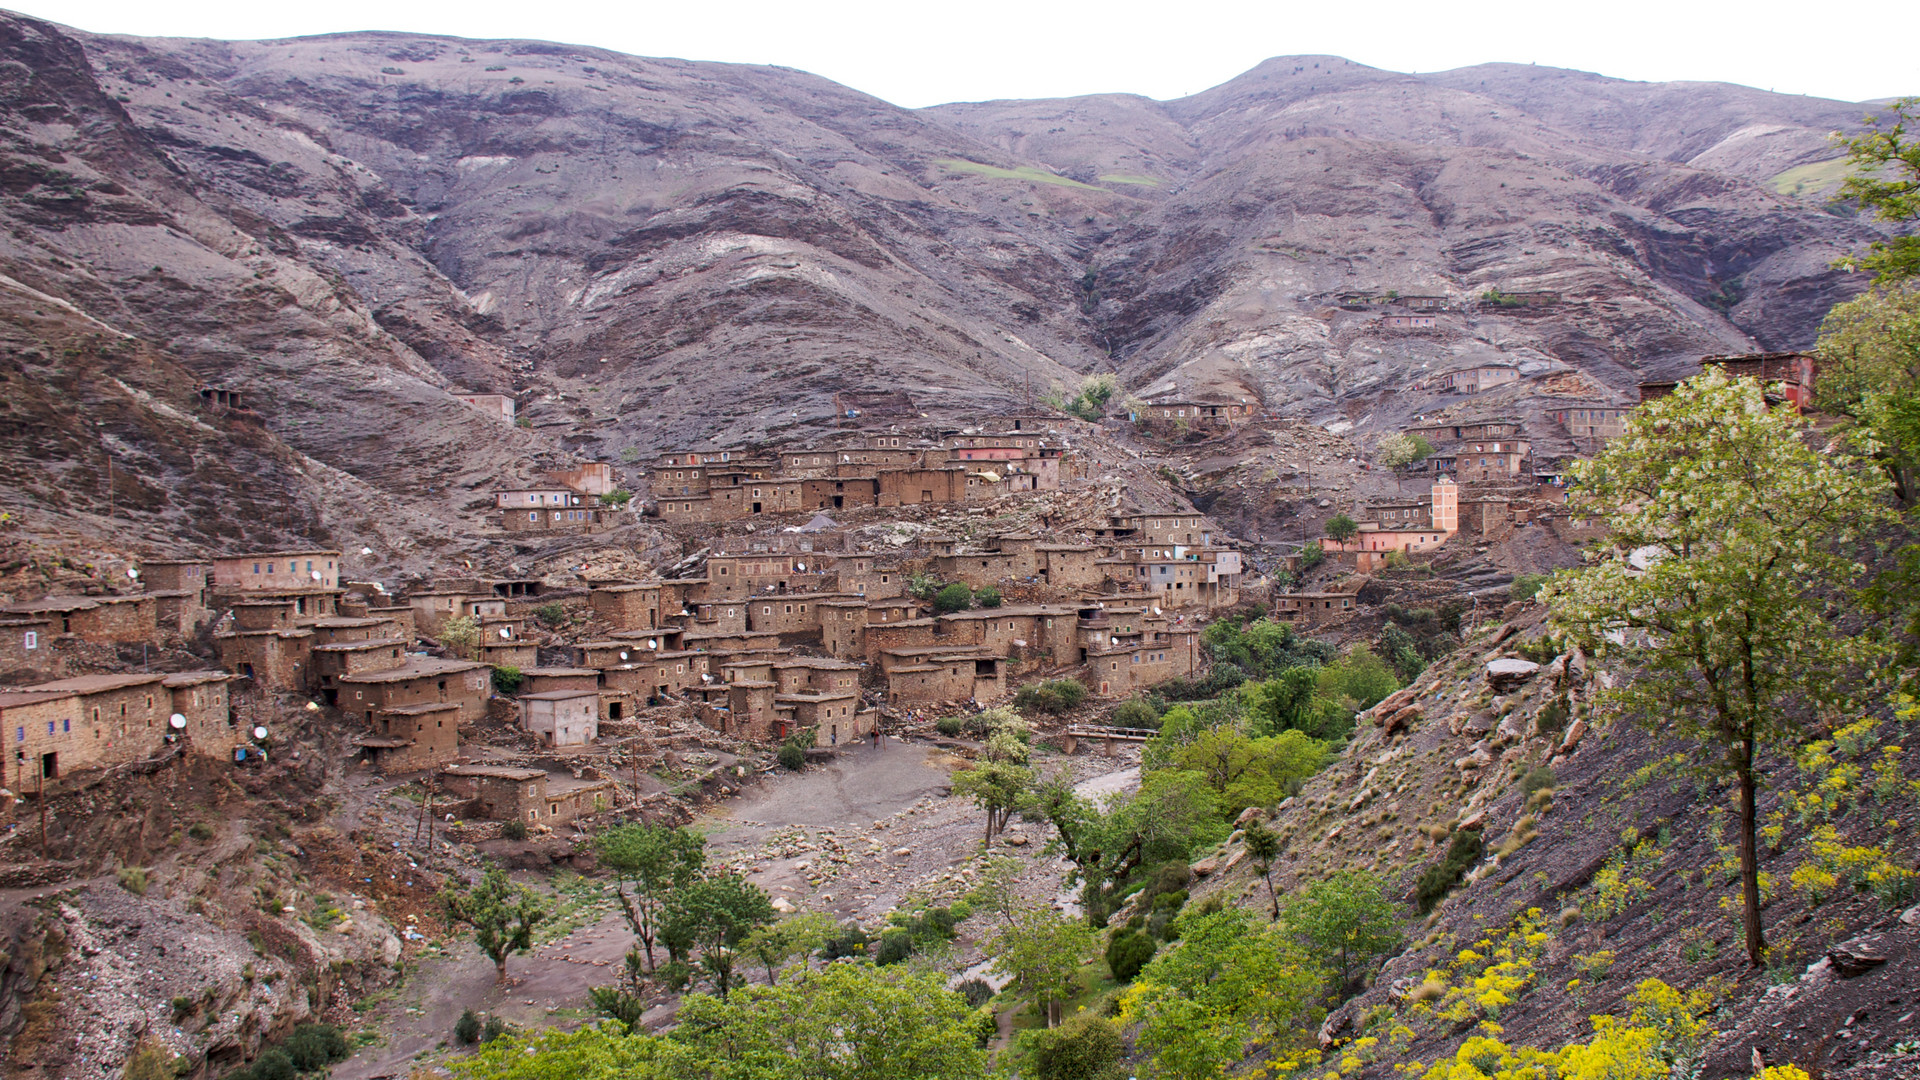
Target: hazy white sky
[(922, 54)]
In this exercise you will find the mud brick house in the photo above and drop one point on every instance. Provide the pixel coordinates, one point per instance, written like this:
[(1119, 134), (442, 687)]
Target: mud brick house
[(106, 619), (943, 673), (793, 616), (948, 483), (433, 605), (1019, 632), (203, 699), (593, 478), (500, 405), (562, 717), (731, 576), (409, 738), (512, 652), (329, 662), (279, 572), (633, 606), (345, 629), (715, 617), (418, 681), (1475, 380), (94, 720), (1592, 421), (26, 644), (839, 493), (1220, 413), (1069, 566), (843, 628), (868, 576), (1787, 376), (1483, 461), (1163, 527), (548, 510), (275, 660), (189, 574), (1397, 514), (538, 680), (974, 568), (1486, 515), (1483, 430), (183, 598), (1313, 608), (750, 712), (504, 793), (1408, 322)]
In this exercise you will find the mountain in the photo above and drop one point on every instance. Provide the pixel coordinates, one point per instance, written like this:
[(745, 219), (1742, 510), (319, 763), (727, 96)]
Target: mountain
[(654, 252)]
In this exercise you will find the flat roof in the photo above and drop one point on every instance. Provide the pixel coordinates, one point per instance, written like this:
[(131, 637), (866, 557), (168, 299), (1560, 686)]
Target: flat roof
[(196, 678), (557, 672), (94, 684), (417, 668), (497, 772), (15, 698), (821, 695), (559, 695), (422, 709), (344, 622), (52, 603), (273, 554), (360, 646)]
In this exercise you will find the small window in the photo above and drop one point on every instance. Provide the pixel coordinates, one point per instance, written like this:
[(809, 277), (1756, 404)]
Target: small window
[(32, 640)]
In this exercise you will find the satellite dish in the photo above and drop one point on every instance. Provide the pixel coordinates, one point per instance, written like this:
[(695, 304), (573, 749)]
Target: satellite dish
[(704, 677), (133, 571), (314, 574), (1156, 610), (176, 721), (259, 733), (800, 566), (652, 644), (366, 551), (623, 654), (1116, 641), (505, 633)]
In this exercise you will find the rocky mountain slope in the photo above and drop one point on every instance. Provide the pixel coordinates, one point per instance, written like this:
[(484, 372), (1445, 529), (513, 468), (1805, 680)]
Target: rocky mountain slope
[(653, 252)]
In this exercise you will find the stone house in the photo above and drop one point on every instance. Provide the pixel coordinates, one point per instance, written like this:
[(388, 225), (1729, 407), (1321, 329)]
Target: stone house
[(506, 793), (500, 405), (329, 662), (26, 644), (418, 681), (562, 717), (633, 606), (843, 628), (274, 659), (943, 673), (281, 572), (939, 484), (1313, 608), (593, 478), (86, 722), (539, 680), (1788, 377), (1408, 322), (1026, 631), (409, 738), (1592, 421), (105, 619), (1220, 413), (1484, 461), (839, 492), (203, 700), (868, 576), (1421, 303)]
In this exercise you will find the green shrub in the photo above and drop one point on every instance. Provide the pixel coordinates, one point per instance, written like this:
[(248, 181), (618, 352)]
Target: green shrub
[(495, 1028), (1526, 585), (1084, 1047), (1135, 713), (1056, 696), (1311, 556), (851, 941), (1128, 952), (514, 829), (895, 945), (955, 597), (987, 597), (792, 757), (1440, 878), (976, 991), (133, 879), (923, 586), (200, 830), (466, 1030), (315, 1046), (507, 679), (949, 725), (1537, 778), (554, 614)]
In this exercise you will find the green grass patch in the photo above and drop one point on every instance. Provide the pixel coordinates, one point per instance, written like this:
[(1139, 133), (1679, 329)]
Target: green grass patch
[(1093, 982), (1024, 172), (1817, 179), (1132, 178)]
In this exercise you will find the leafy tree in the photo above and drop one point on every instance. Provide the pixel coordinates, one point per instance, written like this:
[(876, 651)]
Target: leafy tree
[(460, 635), (1344, 918), (1526, 586), (1172, 815), (503, 915), (1311, 555), (1041, 951), (1263, 847), (1135, 713), (997, 787), (1422, 449), (1394, 451), (716, 913), (1230, 990), (796, 936), (649, 864), (618, 497), (1245, 771), (954, 597), (1886, 179), (844, 1022), (507, 679), (988, 597), (1285, 703), (151, 1060), (1087, 1047), (1341, 528), (602, 1052), (553, 614), (1724, 578), (1127, 953)]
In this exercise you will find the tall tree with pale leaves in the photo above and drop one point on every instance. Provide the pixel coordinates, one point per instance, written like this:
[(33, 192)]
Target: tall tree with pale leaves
[(1733, 548)]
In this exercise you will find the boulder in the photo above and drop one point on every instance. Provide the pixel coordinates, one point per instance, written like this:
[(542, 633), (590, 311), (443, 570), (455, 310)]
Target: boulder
[(1860, 955), (1248, 816), (1510, 672), (1204, 867), (1402, 717), (783, 905), (1575, 732)]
